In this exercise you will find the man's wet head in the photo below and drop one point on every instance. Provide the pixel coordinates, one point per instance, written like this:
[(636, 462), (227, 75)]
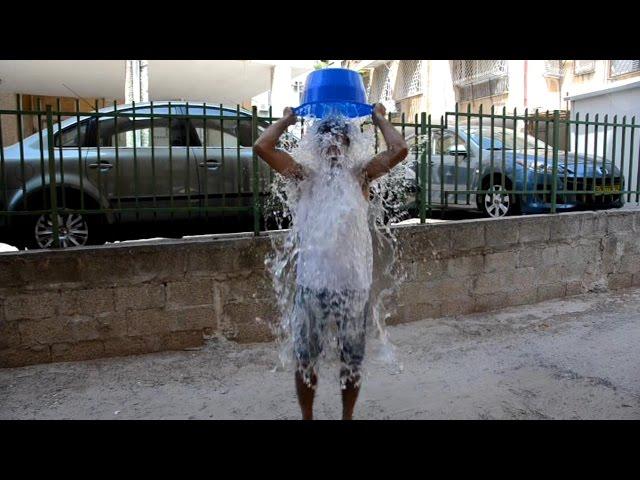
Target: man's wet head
[(333, 137)]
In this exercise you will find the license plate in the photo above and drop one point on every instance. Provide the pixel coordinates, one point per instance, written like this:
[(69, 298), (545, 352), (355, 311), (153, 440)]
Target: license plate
[(607, 188)]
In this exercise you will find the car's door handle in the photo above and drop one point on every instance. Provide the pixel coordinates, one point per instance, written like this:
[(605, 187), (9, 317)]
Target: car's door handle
[(101, 165), (211, 164)]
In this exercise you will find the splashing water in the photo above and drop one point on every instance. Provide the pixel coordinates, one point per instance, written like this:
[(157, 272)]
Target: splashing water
[(336, 271)]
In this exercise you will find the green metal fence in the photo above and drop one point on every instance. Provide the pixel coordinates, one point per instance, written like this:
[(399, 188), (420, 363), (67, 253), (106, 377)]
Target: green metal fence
[(167, 161)]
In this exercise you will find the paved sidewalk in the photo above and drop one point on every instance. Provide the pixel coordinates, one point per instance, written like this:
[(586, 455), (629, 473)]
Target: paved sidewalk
[(577, 358)]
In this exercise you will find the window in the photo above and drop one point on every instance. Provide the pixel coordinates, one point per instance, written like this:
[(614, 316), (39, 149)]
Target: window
[(213, 135), (449, 141), (582, 67), (137, 133), (380, 86), (409, 79), (467, 72), (488, 88), (474, 79), (298, 87), (553, 68), (622, 67), (69, 136), (500, 143)]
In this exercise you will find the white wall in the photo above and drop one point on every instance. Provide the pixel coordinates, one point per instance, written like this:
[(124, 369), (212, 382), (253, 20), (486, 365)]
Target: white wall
[(620, 103)]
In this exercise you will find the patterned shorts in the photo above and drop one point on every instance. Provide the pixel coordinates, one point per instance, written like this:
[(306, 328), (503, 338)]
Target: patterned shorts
[(314, 311)]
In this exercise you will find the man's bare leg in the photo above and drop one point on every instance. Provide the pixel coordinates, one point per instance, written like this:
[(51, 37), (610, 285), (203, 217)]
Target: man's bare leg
[(305, 394), (349, 398)]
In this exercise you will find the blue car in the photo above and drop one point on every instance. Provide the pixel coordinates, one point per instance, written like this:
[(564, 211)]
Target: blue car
[(458, 165)]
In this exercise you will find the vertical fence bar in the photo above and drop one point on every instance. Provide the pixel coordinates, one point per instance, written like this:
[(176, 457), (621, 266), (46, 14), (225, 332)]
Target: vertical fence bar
[(21, 144), (416, 141), (238, 162), (205, 158), (3, 180), (256, 179), (117, 154), (271, 171), (455, 166), (42, 165), (575, 154), (60, 153), (491, 155), (536, 123), (526, 144), (638, 175), (153, 161), (52, 180), (443, 196), (586, 151), (222, 177), (171, 200), (546, 155), (80, 167), (468, 153), (504, 148), (480, 151), (613, 152), (423, 169), (187, 125), (98, 157), (513, 159), (631, 140), (604, 155), (622, 145), (595, 155), (554, 168), (566, 158)]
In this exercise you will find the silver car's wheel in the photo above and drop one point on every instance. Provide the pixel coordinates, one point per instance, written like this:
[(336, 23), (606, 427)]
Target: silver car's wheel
[(73, 229), (497, 204)]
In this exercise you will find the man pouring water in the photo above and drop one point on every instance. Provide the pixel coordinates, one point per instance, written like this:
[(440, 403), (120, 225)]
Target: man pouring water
[(334, 263)]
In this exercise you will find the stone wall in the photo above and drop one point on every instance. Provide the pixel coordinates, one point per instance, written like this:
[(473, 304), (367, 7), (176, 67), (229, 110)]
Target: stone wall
[(137, 298)]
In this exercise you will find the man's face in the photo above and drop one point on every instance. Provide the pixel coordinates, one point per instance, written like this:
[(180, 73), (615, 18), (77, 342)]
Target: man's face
[(334, 144)]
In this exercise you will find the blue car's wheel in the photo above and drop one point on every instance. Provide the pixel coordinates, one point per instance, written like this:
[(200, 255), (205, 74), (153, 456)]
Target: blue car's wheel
[(495, 203)]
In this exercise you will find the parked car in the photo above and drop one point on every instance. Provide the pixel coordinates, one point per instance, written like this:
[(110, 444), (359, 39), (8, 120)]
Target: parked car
[(467, 166), (185, 165)]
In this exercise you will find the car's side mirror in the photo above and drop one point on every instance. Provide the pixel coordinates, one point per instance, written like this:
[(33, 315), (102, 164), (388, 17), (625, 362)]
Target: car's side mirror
[(457, 150)]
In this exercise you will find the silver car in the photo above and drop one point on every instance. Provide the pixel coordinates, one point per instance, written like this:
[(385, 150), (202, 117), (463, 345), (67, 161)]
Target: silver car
[(182, 165)]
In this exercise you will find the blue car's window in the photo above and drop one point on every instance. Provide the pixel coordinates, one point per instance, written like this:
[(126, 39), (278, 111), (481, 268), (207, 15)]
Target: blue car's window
[(499, 142)]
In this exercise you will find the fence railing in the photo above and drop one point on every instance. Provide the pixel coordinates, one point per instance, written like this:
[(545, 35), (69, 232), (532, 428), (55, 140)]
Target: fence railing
[(167, 161)]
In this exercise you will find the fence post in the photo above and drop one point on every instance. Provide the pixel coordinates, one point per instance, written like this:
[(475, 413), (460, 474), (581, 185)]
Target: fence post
[(53, 191), (423, 168), (554, 171), (256, 174)]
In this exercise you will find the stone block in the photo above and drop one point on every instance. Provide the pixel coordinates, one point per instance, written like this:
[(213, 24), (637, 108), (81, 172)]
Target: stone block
[(45, 331), (32, 306), (139, 297), (150, 322), (22, 356), (86, 350), (87, 301), (191, 292)]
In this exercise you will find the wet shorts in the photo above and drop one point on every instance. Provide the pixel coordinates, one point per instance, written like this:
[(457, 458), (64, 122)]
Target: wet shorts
[(315, 310)]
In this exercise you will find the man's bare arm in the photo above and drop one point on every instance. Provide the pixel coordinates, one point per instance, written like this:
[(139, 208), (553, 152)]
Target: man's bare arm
[(265, 147), (396, 150)]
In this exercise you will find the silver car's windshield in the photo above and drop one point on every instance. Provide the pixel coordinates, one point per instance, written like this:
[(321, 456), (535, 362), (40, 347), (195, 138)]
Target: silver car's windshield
[(503, 142)]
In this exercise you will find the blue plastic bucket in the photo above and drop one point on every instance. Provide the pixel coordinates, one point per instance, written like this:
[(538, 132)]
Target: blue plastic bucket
[(332, 91)]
